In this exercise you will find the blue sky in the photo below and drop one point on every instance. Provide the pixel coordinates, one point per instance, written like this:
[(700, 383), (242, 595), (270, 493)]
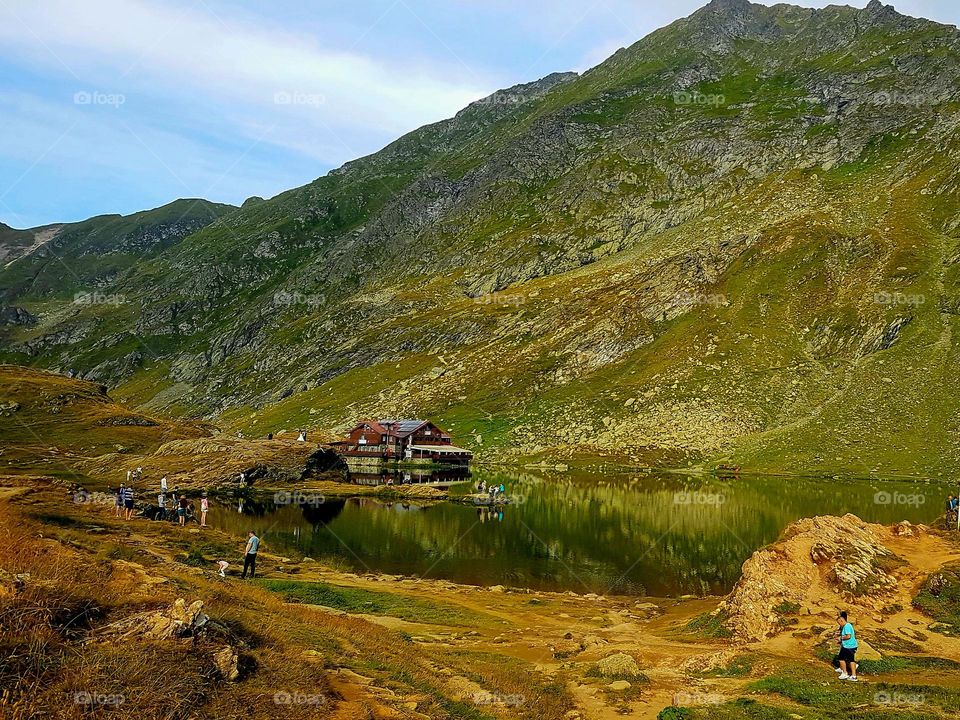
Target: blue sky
[(121, 105)]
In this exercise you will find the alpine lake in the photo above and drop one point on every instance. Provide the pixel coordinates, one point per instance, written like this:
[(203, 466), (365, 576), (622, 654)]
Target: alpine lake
[(610, 532)]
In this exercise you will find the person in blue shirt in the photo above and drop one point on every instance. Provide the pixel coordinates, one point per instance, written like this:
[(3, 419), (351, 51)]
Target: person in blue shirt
[(250, 556), (846, 662)]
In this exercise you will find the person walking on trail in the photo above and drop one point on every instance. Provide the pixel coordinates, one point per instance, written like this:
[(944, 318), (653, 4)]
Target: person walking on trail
[(250, 555), (204, 507), (118, 508), (128, 502), (182, 506), (163, 485), (161, 507), (848, 648)]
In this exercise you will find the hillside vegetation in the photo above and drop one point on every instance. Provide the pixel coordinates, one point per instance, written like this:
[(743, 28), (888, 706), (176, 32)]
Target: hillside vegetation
[(733, 242)]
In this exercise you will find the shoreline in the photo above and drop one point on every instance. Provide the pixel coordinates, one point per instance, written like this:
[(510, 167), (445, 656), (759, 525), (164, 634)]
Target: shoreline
[(671, 651)]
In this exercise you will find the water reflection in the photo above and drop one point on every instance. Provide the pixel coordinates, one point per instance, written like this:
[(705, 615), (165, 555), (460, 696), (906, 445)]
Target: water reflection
[(433, 476), (662, 535)]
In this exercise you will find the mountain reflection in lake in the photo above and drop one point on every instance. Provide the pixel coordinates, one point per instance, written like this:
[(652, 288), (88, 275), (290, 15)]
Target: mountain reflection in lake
[(662, 535)]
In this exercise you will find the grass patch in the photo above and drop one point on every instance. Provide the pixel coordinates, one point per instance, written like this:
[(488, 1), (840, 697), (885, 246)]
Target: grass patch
[(940, 599), (708, 625), (356, 600), (740, 666), (898, 663), (741, 709), (834, 699)]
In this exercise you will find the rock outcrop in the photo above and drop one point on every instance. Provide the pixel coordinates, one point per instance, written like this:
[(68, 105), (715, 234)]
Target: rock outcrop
[(817, 560)]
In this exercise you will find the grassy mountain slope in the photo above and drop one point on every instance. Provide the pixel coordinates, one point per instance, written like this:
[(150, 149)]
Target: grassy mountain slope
[(62, 259), (734, 241)]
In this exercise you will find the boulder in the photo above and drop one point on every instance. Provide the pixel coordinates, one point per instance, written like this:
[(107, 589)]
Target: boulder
[(618, 665), (227, 661)]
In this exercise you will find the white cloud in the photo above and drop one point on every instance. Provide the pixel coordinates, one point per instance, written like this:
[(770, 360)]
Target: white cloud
[(189, 55)]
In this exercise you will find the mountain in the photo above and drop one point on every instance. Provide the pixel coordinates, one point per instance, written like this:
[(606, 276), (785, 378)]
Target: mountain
[(94, 253), (733, 242)]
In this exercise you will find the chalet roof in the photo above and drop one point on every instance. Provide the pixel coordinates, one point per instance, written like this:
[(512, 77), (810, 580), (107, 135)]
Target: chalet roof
[(373, 425), (395, 427), (403, 427)]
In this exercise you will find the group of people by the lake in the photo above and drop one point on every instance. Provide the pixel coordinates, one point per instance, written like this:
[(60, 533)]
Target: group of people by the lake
[(179, 503), (169, 504), (493, 490)]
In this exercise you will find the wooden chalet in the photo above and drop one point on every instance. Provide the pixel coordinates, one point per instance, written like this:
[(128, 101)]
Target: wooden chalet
[(401, 441)]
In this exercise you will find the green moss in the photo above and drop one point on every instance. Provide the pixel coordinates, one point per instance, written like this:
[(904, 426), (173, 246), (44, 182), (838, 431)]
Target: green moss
[(356, 600), (708, 625), (939, 597)]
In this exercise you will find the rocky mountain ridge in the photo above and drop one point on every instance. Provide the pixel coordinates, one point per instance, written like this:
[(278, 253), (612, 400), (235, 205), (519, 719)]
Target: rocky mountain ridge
[(732, 242)]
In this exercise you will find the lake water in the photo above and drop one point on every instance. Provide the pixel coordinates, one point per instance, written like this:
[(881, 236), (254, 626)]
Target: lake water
[(611, 532)]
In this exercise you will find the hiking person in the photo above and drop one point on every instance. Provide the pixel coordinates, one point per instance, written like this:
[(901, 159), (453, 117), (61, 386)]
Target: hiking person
[(204, 507), (118, 509), (848, 648), (182, 506), (161, 507), (223, 565), (128, 502), (250, 555), (163, 484)]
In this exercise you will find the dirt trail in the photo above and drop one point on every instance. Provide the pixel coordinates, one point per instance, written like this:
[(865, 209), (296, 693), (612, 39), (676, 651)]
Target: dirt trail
[(566, 635)]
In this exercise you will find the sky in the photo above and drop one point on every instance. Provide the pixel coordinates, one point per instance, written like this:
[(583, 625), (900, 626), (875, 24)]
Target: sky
[(115, 106)]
